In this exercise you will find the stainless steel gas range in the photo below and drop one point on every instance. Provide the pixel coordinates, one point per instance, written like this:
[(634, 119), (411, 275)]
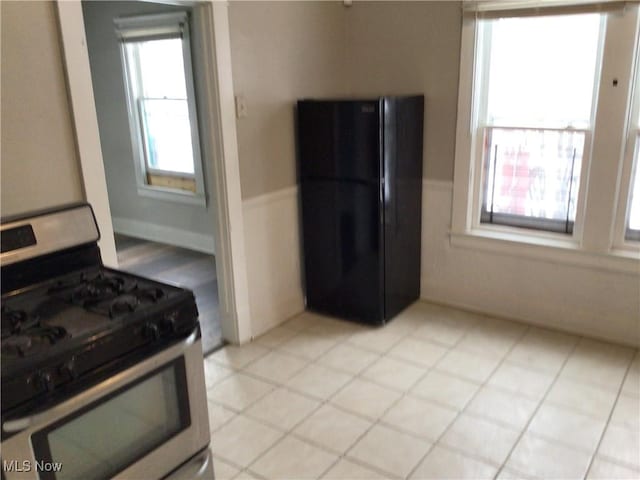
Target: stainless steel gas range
[(102, 371)]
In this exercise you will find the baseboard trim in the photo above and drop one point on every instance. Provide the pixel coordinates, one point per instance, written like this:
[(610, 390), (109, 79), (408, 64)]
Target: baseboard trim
[(282, 311), (163, 234), (578, 330)]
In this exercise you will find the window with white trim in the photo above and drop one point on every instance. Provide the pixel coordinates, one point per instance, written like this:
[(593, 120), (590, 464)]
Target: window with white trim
[(535, 95), (632, 230), (543, 114), (157, 66), (633, 221)]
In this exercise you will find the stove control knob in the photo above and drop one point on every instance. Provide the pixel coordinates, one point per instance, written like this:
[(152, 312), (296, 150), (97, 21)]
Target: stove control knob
[(44, 380), (151, 330), (171, 321), (69, 368)]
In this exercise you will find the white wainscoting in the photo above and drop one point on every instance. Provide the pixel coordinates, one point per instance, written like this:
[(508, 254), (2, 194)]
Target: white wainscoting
[(163, 234), (273, 258), (574, 298)]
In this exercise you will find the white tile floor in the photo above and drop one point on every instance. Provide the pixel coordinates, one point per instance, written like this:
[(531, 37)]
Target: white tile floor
[(437, 393)]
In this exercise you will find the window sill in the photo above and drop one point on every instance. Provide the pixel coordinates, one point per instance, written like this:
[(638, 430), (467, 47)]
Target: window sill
[(172, 195), (548, 249)]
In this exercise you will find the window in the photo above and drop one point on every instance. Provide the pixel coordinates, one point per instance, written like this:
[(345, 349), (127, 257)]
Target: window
[(536, 95), (156, 59), (541, 167), (632, 231), (633, 223)]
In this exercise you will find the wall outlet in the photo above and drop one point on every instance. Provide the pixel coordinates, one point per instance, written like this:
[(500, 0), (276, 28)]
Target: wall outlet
[(241, 106)]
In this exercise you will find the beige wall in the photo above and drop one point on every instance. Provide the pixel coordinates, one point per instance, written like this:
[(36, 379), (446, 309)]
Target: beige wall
[(411, 47), (282, 51), (39, 165)]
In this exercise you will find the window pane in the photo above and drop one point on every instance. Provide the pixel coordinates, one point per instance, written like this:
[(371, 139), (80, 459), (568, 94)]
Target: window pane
[(542, 70), (634, 207), (168, 135), (162, 69), (160, 87), (532, 173)]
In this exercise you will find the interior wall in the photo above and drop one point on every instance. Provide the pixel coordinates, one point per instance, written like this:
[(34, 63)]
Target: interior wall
[(396, 48), (185, 225), (281, 51), (579, 299), (39, 167), (377, 48)]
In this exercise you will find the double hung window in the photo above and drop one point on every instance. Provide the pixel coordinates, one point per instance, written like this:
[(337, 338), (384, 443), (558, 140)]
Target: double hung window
[(536, 79), (547, 98), (156, 59), (632, 230)]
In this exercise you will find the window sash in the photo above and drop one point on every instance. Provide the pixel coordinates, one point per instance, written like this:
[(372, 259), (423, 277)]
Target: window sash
[(143, 28), (488, 215), (481, 215), (604, 184), (631, 233), (146, 139), (482, 76)]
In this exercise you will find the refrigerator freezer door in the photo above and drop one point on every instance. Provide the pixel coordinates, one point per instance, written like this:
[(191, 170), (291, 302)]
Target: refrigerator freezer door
[(339, 140)]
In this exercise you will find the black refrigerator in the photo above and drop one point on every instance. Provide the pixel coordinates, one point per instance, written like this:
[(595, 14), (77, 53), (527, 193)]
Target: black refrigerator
[(360, 173)]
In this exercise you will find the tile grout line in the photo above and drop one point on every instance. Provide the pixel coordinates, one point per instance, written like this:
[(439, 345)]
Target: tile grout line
[(343, 338), (321, 404), (463, 409), (608, 422), (535, 411), (376, 421), (405, 392), (271, 382)]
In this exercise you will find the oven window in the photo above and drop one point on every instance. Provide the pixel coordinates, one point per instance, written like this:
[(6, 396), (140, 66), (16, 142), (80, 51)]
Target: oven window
[(114, 433)]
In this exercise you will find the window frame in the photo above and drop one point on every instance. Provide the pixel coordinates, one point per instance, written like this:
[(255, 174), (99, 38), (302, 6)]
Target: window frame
[(141, 28), (627, 238), (593, 241), (533, 225)]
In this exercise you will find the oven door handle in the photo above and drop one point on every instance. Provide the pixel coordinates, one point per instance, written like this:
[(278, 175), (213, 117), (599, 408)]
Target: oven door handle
[(19, 424)]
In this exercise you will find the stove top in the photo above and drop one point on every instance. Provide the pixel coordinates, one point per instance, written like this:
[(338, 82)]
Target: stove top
[(74, 306), (69, 322), (68, 329)]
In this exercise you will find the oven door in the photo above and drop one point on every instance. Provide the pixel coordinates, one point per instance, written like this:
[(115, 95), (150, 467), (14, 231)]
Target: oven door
[(141, 423)]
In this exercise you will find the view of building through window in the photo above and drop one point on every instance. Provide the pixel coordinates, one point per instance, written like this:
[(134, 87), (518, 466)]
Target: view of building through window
[(536, 110)]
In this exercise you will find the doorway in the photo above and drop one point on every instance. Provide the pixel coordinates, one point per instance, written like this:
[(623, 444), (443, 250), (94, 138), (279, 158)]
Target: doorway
[(163, 231), (231, 260)]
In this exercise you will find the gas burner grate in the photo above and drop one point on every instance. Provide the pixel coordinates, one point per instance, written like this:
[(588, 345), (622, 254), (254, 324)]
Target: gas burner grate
[(28, 337), (98, 289), (12, 320), (123, 305), (15, 322)]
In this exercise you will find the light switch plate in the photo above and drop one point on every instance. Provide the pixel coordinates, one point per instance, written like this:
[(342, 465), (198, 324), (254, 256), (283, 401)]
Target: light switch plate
[(241, 106)]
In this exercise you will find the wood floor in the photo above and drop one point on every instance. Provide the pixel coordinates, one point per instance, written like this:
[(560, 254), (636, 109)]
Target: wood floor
[(186, 268)]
